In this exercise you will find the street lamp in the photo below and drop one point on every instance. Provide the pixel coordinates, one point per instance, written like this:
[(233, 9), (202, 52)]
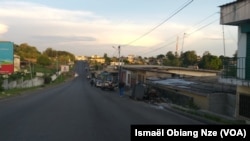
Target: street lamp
[(119, 73)]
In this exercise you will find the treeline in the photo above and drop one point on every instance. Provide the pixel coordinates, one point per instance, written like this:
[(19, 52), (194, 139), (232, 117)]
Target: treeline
[(190, 58), (184, 59), (31, 54)]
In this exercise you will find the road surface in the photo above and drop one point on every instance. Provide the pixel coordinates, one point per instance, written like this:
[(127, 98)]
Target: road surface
[(75, 111)]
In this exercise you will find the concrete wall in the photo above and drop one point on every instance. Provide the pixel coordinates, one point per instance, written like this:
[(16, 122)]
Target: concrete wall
[(231, 104), (53, 77), (200, 100), (158, 75), (222, 103), (241, 90), (175, 97), (37, 81), (182, 97), (193, 72)]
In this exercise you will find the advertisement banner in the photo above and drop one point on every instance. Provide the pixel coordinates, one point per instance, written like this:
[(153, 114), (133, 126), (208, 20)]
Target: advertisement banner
[(6, 57), (64, 68)]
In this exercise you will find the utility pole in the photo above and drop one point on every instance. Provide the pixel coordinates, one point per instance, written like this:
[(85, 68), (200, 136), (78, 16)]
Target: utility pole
[(119, 62), (177, 47), (119, 71), (183, 42)]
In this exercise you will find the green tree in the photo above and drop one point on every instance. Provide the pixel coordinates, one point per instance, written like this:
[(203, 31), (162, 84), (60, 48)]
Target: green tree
[(189, 58), (66, 56), (26, 51), (114, 59), (160, 56), (170, 55), (235, 55), (125, 61), (50, 52), (211, 62), (171, 59), (44, 60), (152, 61), (139, 60), (106, 58)]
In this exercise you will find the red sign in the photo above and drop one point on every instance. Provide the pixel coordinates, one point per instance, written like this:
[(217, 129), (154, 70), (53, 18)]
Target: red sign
[(6, 68)]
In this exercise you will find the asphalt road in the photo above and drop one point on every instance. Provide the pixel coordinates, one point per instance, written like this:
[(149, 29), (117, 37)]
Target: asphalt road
[(75, 111)]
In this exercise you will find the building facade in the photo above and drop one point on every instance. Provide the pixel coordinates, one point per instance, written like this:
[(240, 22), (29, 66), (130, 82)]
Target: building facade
[(237, 13), (81, 58), (98, 59), (17, 62)]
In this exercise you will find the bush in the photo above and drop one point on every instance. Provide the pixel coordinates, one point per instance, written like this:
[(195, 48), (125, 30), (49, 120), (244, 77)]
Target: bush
[(47, 79)]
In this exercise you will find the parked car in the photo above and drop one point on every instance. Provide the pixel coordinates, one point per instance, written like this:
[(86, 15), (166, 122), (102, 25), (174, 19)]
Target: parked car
[(98, 83), (107, 85)]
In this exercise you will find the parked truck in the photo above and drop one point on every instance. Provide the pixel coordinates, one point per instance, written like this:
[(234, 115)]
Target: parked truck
[(108, 79)]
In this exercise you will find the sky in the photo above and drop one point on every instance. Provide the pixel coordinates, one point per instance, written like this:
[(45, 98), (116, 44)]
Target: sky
[(140, 27)]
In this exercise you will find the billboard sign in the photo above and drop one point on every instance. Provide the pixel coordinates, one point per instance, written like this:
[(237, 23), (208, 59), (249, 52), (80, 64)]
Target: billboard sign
[(64, 68), (6, 57)]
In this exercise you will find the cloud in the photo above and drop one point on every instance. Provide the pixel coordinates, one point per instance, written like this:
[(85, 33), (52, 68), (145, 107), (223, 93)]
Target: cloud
[(25, 10), (3, 29), (35, 23), (85, 32), (64, 38)]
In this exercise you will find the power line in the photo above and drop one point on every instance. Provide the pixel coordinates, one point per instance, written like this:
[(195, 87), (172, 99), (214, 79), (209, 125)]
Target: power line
[(163, 46), (194, 31), (168, 44), (143, 35), (219, 19), (172, 42), (202, 27), (185, 35)]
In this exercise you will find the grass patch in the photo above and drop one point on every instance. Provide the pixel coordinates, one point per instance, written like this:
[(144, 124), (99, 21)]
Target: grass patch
[(15, 92)]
